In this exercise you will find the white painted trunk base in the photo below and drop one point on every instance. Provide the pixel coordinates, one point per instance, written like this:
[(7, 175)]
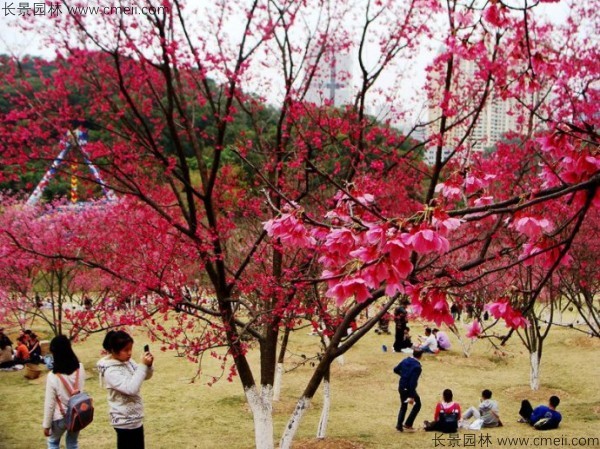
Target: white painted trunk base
[(465, 345), (322, 429), (292, 426), (261, 405), (534, 371), (278, 381)]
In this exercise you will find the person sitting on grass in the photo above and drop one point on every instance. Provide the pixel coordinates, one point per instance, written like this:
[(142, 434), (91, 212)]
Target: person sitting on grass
[(22, 353), (442, 339), (487, 411), (543, 417), (406, 342), (35, 350), (446, 417), (6, 351), (429, 345), (4, 340)]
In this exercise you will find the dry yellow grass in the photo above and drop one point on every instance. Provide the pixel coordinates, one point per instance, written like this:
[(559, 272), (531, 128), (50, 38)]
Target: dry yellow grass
[(185, 415)]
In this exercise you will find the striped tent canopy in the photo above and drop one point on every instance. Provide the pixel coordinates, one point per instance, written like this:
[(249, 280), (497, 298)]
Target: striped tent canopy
[(73, 141)]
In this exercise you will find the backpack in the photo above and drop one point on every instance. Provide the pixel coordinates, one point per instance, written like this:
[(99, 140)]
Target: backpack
[(80, 408), (448, 421)]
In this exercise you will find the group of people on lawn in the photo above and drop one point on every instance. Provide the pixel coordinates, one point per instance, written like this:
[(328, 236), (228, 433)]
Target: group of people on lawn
[(27, 350), (448, 417), (432, 342)]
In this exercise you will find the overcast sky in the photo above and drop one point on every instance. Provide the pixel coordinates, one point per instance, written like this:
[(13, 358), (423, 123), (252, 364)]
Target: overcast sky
[(19, 43)]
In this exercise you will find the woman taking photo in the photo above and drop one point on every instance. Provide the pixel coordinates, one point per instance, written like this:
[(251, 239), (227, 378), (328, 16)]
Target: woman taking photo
[(123, 379)]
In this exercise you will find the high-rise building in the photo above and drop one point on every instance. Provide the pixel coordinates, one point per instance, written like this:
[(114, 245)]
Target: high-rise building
[(496, 118), (332, 81)]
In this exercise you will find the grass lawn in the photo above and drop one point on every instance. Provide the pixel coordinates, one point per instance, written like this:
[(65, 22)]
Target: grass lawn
[(185, 415)]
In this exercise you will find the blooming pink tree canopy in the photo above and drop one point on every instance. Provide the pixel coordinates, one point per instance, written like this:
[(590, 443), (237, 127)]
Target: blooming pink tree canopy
[(251, 198)]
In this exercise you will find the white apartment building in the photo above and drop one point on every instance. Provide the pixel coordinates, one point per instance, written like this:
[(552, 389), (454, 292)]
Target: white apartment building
[(332, 81), (497, 117)]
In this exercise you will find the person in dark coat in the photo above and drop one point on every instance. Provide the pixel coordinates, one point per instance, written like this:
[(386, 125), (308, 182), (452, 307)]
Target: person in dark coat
[(409, 371), (400, 321)]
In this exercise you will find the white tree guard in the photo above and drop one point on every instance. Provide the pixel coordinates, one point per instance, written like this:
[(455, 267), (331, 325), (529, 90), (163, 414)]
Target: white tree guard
[(534, 371), (261, 406), (292, 426), (465, 344), (278, 382), (322, 429)]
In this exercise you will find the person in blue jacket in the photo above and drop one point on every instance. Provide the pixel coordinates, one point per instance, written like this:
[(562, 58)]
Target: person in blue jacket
[(543, 417), (409, 371)]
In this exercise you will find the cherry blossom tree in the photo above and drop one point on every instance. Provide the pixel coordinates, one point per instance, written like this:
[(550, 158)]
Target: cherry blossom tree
[(580, 280), (309, 209)]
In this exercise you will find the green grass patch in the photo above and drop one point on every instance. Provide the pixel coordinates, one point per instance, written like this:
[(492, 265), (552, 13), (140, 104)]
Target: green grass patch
[(185, 415)]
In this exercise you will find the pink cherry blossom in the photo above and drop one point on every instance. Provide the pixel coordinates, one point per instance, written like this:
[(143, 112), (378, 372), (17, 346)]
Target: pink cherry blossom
[(449, 191), (399, 256), (474, 183), (290, 231), (474, 329), (541, 255), (337, 246), (446, 224), (554, 142), (350, 287), (493, 16), (498, 309), (533, 227), (432, 306), (427, 241), (502, 309), (396, 276), (484, 201)]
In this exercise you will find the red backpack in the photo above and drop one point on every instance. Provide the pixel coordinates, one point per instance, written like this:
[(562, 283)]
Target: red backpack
[(80, 408)]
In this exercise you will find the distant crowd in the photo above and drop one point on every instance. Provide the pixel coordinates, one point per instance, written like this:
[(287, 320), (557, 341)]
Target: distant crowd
[(432, 342), (26, 350)]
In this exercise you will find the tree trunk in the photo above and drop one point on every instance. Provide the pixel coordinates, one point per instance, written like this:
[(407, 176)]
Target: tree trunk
[(261, 405), (322, 429), (294, 422), (326, 342), (534, 371), (464, 345), (279, 368), (277, 383), (304, 402)]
